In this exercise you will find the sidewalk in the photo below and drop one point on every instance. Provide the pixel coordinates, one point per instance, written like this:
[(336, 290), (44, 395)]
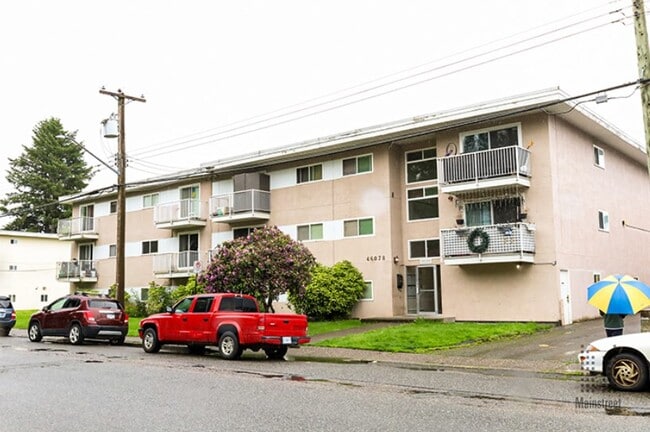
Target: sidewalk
[(552, 351)]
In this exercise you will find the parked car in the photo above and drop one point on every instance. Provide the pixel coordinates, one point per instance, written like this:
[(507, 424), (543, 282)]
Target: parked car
[(232, 322), (625, 360), (80, 317), (7, 315)]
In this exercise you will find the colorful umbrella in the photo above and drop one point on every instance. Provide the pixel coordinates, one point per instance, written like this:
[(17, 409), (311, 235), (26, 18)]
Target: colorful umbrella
[(618, 294)]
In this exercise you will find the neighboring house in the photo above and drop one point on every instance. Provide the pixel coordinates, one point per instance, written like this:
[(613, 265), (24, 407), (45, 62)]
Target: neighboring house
[(502, 211), (27, 268)]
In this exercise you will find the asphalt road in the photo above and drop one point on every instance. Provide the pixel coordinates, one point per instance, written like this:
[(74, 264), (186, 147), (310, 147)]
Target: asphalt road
[(54, 386)]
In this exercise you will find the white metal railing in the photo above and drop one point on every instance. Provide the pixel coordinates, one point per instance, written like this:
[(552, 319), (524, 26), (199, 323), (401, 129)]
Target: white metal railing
[(174, 262), (474, 166), (76, 226), (509, 238), (75, 269), (183, 210), (248, 201)]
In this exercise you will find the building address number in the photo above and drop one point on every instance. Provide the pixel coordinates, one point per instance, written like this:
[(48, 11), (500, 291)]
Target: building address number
[(376, 258)]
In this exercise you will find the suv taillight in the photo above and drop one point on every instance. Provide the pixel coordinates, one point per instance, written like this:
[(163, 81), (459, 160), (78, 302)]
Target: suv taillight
[(89, 316), (126, 318), (13, 315)]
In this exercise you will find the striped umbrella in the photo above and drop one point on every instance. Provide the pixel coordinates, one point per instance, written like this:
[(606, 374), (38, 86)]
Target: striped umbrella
[(617, 294)]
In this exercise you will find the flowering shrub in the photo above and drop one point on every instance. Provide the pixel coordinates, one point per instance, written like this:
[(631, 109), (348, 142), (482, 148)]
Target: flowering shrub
[(332, 292), (264, 264)]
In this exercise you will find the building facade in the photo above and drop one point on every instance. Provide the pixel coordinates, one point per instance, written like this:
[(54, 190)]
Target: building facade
[(504, 211), (27, 268)]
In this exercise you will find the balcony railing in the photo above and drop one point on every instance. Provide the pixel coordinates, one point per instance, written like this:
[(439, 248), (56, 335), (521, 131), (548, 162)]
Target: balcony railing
[(79, 228), (176, 264), (180, 214), (243, 206), (76, 271), (511, 242), (485, 169)]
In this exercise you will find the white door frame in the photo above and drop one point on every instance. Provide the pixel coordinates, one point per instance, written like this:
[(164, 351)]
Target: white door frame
[(565, 298)]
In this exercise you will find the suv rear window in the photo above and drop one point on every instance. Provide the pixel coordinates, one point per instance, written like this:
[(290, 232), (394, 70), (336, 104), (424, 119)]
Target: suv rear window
[(103, 304), (5, 304)]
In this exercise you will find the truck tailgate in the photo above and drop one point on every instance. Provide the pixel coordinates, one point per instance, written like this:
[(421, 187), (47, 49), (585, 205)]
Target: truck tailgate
[(285, 328)]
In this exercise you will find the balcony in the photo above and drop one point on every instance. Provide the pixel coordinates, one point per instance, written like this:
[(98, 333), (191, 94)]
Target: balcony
[(251, 205), (78, 229), (486, 169), (181, 214), (175, 265), (511, 242), (76, 271)]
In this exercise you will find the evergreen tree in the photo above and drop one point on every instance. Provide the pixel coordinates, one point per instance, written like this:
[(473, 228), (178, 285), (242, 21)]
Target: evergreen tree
[(50, 168)]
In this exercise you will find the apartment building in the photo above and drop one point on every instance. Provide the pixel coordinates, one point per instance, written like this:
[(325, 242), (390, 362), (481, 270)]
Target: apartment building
[(502, 211), (27, 268)]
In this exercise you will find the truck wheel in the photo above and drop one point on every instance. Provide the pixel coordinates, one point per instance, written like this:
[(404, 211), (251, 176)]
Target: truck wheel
[(627, 372), (150, 342), (229, 346), (76, 334), (276, 352)]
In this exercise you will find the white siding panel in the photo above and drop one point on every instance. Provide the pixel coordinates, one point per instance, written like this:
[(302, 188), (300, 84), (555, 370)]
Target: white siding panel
[(283, 178), (168, 245), (221, 187), (220, 237)]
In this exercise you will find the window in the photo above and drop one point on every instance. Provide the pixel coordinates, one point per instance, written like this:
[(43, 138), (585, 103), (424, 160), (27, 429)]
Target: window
[(144, 294), (242, 232), (358, 227), (149, 247), (183, 305), (490, 139), (499, 211), (367, 292), (421, 165), (424, 248), (422, 203), (13, 267), (310, 232), (357, 165), (112, 250), (596, 277), (113, 207), (599, 157), (13, 241), (44, 299), (309, 174), (203, 304), (603, 220), (12, 297), (150, 200)]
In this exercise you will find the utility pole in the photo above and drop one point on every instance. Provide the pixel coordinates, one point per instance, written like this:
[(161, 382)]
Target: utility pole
[(121, 188), (643, 63)]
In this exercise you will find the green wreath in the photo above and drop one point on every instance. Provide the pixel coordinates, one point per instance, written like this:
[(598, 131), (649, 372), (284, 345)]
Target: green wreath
[(483, 241)]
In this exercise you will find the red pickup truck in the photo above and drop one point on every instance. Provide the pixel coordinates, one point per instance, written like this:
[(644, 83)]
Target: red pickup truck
[(232, 322)]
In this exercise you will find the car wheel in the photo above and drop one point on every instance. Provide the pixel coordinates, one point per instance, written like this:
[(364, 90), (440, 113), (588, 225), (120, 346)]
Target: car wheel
[(75, 335), (276, 352), (150, 342), (34, 332), (627, 372), (5, 331), (118, 341), (229, 346)]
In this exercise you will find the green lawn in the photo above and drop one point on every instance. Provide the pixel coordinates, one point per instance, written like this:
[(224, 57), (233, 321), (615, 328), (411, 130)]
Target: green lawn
[(321, 327), (426, 336)]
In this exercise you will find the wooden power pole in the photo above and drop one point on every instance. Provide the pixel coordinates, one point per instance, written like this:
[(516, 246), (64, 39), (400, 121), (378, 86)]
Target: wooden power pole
[(643, 63), (121, 188)]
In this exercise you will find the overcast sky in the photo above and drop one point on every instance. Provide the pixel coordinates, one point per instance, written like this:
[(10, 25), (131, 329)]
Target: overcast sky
[(203, 65)]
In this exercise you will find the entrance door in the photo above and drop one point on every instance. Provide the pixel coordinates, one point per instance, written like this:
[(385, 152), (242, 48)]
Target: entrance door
[(422, 291), (565, 297)]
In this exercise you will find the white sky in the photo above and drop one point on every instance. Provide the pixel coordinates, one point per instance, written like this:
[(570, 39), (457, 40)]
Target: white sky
[(205, 64)]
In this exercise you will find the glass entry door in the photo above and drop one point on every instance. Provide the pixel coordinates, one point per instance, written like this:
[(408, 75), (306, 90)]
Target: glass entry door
[(422, 290)]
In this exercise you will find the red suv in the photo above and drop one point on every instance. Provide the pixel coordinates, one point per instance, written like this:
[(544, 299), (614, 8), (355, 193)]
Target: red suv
[(80, 317)]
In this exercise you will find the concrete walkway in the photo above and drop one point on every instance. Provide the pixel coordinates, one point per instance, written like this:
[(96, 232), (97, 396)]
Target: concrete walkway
[(552, 351)]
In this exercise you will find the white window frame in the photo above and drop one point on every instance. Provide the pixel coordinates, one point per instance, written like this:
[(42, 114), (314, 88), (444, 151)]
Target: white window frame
[(310, 172), (13, 267), (407, 163), (356, 168), (462, 135), (426, 251), (599, 157), (424, 196), (603, 221), (153, 198), (112, 250), (372, 219), (149, 242), (311, 232), (370, 285)]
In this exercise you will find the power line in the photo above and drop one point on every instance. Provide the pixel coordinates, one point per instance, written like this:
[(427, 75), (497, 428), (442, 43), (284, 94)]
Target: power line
[(202, 140)]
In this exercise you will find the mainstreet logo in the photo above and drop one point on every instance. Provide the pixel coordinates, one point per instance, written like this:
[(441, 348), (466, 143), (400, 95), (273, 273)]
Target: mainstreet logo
[(582, 403)]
